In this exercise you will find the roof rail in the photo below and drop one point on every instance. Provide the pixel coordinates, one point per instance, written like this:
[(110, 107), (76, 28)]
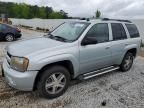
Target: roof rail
[(87, 19), (120, 20)]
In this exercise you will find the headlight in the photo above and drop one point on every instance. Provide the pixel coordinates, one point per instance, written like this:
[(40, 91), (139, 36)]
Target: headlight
[(19, 63)]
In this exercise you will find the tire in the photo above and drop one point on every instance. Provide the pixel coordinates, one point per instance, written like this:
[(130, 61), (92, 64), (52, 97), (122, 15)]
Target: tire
[(49, 87), (9, 37), (127, 62)]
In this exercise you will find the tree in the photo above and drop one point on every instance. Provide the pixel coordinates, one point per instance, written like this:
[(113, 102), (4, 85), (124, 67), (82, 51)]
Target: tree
[(34, 11), (98, 14), (16, 9), (56, 15), (22, 10), (41, 12), (48, 11), (65, 15)]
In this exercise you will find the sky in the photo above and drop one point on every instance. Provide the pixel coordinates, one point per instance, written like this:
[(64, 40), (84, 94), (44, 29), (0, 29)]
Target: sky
[(131, 9)]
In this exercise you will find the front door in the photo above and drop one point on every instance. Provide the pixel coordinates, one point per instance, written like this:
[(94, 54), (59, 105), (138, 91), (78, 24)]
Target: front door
[(96, 56)]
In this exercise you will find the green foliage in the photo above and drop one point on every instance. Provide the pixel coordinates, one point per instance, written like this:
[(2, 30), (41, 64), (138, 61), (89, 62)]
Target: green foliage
[(22, 10), (142, 45), (98, 14), (42, 13), (56, 15)]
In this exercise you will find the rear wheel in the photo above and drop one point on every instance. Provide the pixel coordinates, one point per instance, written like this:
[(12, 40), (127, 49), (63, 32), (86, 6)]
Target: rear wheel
[(54, 82), (127, 62), (9, 37)]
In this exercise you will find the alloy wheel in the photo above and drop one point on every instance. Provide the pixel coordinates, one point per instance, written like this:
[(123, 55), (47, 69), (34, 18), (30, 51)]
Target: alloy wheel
[(128, 62), (55, 83)]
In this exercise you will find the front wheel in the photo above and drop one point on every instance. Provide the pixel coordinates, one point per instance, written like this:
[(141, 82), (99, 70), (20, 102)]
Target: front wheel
[(54, 82), (127, 62)]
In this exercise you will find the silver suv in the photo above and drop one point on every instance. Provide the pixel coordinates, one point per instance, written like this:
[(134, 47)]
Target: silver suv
[(74, 50)]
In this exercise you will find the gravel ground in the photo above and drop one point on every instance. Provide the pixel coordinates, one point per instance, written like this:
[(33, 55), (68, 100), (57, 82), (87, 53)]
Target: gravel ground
[(112, 90)]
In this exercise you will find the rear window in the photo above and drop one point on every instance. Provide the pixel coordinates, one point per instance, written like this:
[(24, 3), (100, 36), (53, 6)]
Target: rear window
[(2, 27), (133, 31)]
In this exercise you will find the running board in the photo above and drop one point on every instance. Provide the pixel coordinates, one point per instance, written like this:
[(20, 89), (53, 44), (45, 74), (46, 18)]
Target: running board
[(98, 72)]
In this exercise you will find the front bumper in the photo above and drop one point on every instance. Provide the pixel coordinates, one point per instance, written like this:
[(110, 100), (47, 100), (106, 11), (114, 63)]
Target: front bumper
[(19, 80)]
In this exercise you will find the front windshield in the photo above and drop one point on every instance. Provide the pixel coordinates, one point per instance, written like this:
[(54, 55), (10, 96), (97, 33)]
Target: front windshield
[(70, 31)]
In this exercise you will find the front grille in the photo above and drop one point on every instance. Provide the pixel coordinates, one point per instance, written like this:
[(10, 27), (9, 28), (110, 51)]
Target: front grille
[(9, 54)]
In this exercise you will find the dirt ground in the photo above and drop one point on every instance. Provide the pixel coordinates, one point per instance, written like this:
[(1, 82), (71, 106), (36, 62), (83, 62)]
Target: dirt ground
[(112, 90)]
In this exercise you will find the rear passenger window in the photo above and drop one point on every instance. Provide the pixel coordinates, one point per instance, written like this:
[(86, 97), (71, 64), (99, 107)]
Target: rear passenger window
[(100, 32), (118, 31), (133, 31)]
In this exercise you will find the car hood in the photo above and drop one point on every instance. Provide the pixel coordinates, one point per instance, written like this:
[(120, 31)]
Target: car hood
[(27, 47)]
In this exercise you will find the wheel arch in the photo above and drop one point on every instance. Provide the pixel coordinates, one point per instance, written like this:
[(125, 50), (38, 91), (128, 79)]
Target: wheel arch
[(65, 63), (9, 33), (133, 51)]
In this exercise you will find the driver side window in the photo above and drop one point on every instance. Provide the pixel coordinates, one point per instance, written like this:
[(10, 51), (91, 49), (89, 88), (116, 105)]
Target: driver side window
[(100, 32)]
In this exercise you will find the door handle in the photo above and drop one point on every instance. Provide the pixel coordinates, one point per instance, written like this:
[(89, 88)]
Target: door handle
[(126, 44), (108, 47)]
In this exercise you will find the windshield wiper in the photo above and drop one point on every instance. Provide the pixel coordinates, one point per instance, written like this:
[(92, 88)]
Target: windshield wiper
[(61, 38), (58, 38)]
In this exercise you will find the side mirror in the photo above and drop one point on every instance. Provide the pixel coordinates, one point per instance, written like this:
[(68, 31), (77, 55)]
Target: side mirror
[(89, 40)]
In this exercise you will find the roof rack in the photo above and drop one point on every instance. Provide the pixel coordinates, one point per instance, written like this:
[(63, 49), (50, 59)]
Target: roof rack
[(87, 19), (120, 20)]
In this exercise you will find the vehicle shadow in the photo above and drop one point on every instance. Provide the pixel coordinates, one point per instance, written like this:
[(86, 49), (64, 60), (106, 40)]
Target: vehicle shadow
[(8, 92)]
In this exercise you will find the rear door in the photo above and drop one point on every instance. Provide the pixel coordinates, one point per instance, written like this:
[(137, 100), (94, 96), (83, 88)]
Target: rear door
[(119, 42)]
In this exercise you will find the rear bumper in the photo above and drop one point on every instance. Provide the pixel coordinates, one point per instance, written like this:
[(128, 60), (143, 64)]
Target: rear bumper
[(19, 80), (18, 35)]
